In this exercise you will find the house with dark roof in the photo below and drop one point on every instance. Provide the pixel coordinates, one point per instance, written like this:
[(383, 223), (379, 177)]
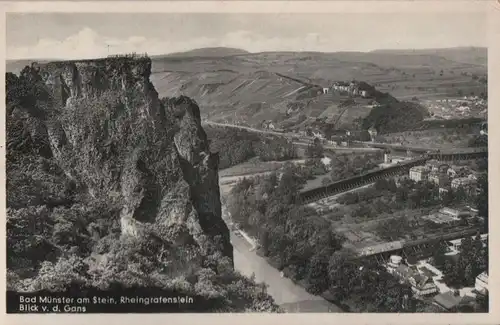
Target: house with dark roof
[(440, 179), (421, 285), (437, 166)]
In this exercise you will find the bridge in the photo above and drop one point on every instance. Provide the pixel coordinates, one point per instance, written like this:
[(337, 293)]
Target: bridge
[(459, 154), (402, 168), (419, 248), (436, 153), (347, 184)]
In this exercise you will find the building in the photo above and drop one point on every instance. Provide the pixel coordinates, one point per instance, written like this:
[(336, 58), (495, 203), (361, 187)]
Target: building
[(440, 218), (450, 211), (443, 191), (482, 283), (446, 216), (421, 285), (326, 162), (451, 172), (325, 90), (468, 184), (268, 125), (440, 179), (373, 133), (419, 173), (456, 243), (380, 248), (318, 135), (437, 166), (364, 93), (473, 176), (462, 171)]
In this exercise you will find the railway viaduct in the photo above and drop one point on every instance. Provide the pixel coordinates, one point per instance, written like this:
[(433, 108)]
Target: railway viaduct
[(402, 168), (419, 248)]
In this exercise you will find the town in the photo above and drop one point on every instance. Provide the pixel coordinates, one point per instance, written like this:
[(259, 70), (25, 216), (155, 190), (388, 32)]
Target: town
[(420, 247)]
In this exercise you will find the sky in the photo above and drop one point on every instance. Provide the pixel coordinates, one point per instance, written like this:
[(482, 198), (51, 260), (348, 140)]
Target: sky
[(89, 35)]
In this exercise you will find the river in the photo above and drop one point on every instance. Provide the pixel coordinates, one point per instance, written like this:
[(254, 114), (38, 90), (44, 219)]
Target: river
[(290, 296)]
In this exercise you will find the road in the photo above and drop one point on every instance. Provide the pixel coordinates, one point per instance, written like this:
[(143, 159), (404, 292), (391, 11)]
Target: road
[(305, 140), (226, 180), (291, 297)]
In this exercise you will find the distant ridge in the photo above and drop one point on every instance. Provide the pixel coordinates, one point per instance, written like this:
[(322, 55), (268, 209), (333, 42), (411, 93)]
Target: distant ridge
[(455, 48), (208, 52), (15, 66), (464, 54)]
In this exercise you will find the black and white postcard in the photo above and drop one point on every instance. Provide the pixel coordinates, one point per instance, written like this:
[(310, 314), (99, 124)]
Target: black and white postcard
[(250, 157)]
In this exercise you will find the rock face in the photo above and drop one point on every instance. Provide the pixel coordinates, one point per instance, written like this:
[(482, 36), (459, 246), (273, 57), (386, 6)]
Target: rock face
[(112, 135)]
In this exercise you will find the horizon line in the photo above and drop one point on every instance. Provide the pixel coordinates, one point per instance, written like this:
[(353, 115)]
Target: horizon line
[(259, 52)]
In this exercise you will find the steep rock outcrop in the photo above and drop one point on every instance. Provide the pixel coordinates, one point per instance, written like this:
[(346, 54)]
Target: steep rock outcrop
[(111, 134)]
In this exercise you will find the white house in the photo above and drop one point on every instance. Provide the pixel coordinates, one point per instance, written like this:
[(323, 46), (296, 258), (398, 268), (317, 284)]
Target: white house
[(325, 90), (482, 283), (419, 173), (326, 161), (318, 135)]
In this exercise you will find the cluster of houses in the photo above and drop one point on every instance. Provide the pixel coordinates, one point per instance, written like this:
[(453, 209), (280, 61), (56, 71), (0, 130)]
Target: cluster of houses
[(449, 216), (427, 281), (445, 177), (449, 108), (421, 284), (269, 125)]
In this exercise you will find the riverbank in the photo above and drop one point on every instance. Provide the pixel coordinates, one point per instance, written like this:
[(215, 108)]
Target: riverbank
[(290, 296)]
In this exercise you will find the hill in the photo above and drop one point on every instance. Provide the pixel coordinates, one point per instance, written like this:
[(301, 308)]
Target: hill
[(286, 87), (468, 55), (209, 52), (15, 66)]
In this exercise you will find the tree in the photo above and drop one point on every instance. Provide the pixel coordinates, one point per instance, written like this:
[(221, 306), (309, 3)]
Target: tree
[(326, 181), (482, 199), (317, 275), (315, 149), (439, 255), (483, 305)]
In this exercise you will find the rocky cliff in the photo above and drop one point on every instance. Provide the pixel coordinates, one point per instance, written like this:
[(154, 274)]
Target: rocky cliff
[(112, 136)]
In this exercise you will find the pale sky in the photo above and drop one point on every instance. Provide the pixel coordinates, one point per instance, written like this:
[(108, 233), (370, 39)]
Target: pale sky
[(84, 35)]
